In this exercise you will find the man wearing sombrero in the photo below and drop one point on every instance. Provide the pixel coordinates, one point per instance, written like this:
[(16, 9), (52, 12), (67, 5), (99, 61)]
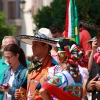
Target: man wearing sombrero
[(41, 43)]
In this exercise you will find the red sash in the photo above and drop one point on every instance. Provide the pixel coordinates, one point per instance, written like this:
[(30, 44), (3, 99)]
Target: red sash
[(58, 93)]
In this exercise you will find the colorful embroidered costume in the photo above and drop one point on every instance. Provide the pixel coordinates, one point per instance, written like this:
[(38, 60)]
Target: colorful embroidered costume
[(66, 82), (69, 89)]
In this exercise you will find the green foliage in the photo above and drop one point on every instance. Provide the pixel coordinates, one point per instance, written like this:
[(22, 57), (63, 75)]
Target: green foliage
[(56, 13), (5, 30), (90, 11), (43, 17)]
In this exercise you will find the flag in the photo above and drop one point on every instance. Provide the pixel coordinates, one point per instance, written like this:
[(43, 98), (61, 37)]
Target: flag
[(71, 25)]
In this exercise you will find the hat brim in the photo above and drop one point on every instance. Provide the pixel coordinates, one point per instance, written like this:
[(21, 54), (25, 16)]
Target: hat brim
[(29, 39), (90, 25), (90, 41)]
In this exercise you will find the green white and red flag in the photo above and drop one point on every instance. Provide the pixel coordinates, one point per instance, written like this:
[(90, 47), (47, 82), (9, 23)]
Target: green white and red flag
[(71, 25)]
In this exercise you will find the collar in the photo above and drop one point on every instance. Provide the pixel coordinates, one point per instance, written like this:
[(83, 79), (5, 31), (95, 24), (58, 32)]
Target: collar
[(54, 62), (18, 69)]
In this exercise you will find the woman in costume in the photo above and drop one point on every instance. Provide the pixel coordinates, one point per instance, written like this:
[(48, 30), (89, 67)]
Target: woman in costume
[(70, 80)]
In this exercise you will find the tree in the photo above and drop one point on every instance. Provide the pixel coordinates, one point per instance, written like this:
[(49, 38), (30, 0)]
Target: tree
[(90, 11), (5, 30), (56, 13), (43, 17)]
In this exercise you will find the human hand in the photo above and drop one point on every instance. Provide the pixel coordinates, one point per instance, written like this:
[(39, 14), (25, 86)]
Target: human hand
[(17, 94), (1, 88), (94, 45), (91, 85), (97, 85), (5, 87)]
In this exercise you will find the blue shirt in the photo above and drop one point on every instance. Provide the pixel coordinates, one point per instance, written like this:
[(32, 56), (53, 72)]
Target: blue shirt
[(3, 67), (19, 75)]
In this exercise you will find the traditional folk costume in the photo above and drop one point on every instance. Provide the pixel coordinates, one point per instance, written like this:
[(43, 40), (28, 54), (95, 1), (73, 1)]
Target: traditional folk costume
[(38, 68), (69, 89), (36, 75)]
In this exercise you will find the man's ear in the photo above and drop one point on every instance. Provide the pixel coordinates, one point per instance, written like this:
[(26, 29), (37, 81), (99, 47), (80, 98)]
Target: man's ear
[(46, 46)]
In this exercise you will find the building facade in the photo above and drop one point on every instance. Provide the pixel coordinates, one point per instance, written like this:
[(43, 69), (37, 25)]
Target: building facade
[(22, 17)]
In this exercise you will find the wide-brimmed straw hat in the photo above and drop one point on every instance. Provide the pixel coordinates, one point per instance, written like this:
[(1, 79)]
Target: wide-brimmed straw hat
[(43, 35)]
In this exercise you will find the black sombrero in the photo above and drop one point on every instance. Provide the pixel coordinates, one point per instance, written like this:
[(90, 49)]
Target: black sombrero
[(90, 25)]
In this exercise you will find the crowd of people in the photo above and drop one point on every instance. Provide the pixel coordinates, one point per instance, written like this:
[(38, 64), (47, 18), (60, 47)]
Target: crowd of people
[(59, 69)]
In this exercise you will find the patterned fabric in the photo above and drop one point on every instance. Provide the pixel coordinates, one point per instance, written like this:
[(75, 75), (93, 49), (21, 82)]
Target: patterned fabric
[(23, 88), (23, 93), (53, 70), (65, 82), (36, 66), (74, 89), (72, 54)]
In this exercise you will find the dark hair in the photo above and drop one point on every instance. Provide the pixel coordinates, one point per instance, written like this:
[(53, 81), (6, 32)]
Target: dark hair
[(17, 50), (80, 17), (50, 47), (55, 28)]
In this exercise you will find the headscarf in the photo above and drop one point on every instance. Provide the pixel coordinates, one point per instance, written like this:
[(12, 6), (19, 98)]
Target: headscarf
[(72, 54)]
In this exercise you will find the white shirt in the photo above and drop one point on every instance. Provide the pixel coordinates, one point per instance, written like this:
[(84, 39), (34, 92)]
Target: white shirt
[(6, 95)]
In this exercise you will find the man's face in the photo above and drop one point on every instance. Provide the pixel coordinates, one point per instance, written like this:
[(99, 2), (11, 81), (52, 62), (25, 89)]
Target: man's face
[(38, 49), (56, 35), (7, 41)]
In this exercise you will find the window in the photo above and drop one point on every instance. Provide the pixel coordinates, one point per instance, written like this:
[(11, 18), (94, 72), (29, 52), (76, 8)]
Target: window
[(11, 9), (1, 5)]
